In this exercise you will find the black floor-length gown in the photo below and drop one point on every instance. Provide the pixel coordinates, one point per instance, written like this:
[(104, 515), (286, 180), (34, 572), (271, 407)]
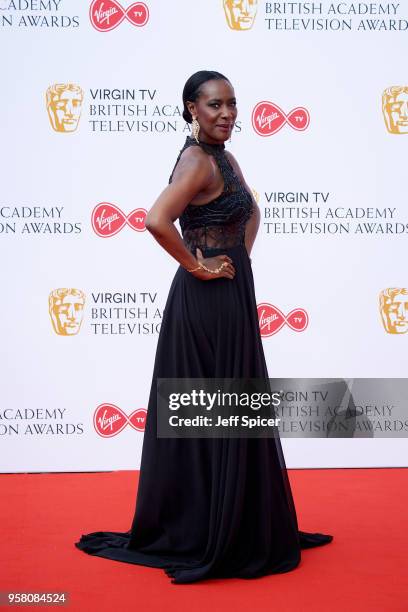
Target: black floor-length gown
[(210, 507)]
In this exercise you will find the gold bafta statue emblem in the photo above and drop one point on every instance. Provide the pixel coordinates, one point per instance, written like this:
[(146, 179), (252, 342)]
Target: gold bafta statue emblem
[(395, 109), (64, 105), (66, 308), (240, 14), (394, 310)]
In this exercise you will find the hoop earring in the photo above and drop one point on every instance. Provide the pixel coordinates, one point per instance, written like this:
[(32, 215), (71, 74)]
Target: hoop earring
[(195, 128)]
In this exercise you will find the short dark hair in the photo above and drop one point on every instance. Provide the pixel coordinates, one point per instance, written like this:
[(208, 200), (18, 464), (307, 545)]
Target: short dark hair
[(192, 87)]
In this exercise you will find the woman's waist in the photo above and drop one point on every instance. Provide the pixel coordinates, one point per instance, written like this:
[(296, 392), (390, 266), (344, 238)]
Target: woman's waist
[(211, 241), (211, 251)]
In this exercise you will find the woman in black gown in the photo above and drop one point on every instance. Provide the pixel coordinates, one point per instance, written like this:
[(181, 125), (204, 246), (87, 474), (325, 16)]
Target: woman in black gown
[(209, 507)]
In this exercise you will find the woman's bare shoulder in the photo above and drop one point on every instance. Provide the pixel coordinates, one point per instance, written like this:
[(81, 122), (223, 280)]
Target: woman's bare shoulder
[(193, 158)]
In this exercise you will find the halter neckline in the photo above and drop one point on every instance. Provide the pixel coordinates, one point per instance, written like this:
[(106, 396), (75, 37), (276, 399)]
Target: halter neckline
[(216, 147)]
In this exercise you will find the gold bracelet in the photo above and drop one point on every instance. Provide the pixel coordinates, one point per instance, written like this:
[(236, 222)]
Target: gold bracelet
[(203, 267), (194, 269), (217, 270)]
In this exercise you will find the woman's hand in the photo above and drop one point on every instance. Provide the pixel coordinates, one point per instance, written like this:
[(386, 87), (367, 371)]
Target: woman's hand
[(214, 263)]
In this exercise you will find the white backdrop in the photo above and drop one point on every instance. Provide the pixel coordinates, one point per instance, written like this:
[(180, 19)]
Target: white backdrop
[(52, 383)]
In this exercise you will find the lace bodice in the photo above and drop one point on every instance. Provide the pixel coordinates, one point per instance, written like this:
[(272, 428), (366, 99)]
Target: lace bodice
[(221, 222)]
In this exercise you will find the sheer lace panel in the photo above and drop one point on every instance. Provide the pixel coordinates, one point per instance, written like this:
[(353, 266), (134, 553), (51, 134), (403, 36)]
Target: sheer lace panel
[(221, 222)]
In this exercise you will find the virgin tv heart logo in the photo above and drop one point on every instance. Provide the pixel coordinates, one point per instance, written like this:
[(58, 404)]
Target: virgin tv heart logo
[(105, 15), (109, 420), (268, 118), (107, 219), (271, 319)]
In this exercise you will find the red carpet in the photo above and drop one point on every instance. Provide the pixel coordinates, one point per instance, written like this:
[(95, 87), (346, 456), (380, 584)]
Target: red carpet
[(364, 568)]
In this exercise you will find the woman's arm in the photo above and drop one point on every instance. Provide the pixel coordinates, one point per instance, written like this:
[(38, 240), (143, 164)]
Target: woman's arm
[(252, 225), (193, 173)]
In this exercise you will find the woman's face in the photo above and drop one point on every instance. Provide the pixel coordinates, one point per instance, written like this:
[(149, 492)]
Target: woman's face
[(215, 110)]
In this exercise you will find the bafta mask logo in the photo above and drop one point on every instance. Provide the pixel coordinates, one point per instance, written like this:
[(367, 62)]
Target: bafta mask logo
[(109, 420), (395, 109), (268, 118), (271, 319), (64, 105), (106, 15), (66, 308), (394, 310), (240, 14), (107, 219)]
